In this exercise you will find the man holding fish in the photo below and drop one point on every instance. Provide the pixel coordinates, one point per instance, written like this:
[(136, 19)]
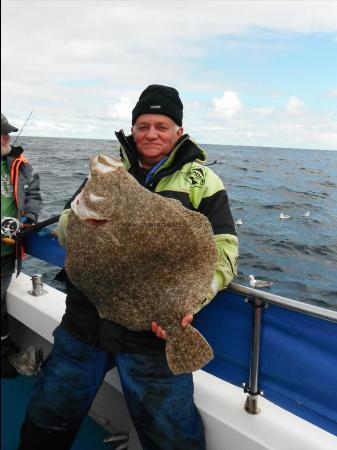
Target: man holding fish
[(98, 333)]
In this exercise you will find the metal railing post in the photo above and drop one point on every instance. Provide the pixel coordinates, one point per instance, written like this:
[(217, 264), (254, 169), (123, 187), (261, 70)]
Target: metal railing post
[(251, 404)]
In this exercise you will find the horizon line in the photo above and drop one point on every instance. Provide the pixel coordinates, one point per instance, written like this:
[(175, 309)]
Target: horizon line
[(201, 144)]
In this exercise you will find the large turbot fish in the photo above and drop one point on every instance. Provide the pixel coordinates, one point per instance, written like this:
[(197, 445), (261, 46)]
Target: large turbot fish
[(141, 258)]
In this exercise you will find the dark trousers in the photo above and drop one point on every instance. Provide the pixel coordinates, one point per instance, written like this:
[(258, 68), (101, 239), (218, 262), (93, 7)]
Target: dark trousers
[(161, 404), (7, 269)]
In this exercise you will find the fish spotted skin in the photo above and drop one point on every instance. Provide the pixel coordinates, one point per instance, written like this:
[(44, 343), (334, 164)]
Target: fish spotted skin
[(152, 261)]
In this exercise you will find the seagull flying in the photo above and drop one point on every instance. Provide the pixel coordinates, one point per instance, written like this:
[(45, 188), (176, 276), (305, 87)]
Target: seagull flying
[(258, 283), (284, 216), (238, 222)]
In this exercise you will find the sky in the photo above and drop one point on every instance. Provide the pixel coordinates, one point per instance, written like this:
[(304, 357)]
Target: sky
[(257, 73)]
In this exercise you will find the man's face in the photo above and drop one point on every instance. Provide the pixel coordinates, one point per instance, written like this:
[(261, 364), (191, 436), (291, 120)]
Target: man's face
[(5, 144), (155, 136)]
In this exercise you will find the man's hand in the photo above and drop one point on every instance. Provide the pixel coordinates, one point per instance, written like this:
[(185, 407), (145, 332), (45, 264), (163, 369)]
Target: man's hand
[(162, 333), (26, 222)]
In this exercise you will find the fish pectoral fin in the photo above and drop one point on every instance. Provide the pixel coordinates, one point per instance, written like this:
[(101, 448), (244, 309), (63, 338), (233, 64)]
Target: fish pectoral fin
[(187, 350)]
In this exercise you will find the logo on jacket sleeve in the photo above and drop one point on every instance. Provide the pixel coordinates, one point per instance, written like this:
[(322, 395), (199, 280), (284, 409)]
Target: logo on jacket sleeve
[(195, 176)]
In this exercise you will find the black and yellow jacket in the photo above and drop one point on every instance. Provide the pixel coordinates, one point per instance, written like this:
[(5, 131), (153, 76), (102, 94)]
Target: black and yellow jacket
[(183, 177)]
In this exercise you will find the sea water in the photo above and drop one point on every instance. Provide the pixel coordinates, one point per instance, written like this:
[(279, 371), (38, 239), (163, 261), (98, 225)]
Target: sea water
[(298, 254)]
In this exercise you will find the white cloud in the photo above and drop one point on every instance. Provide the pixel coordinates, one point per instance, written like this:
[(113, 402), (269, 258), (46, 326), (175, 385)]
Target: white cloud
[(328, 138), (72, 39), (194, 104), (277, 128), (294, 104), (226, 107), (82, 65), (121, 109), (262, 111)]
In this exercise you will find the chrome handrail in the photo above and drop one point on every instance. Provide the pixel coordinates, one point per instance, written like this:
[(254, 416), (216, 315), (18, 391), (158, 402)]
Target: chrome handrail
[(252, 388), (266, 297), (259, 300)]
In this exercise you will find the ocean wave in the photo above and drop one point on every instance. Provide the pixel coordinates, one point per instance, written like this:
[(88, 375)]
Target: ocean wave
[(295, 248), (308, 192)]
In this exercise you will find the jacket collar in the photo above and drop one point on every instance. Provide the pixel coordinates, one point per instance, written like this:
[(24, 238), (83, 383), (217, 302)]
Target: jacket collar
[(13, 154), (185, 150)]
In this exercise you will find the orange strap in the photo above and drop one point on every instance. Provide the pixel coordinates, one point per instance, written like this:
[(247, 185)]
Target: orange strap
[(14, 174)]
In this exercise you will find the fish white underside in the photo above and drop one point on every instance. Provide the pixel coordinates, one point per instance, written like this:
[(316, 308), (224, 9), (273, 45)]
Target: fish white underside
[(102, 164), (82, 211)]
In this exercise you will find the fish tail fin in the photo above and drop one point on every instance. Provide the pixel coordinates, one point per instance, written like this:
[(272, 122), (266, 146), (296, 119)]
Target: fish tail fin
[(187, 350)]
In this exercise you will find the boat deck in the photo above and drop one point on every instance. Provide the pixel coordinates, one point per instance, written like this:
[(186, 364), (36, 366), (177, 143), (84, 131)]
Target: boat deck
[(15, 394)]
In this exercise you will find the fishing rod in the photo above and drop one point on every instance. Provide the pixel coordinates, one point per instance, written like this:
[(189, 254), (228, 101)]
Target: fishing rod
[(39, 225), (23, 126)]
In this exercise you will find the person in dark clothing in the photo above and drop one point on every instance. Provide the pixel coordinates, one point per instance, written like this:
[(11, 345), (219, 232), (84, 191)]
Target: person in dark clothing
[(20, 199), (168, 162)]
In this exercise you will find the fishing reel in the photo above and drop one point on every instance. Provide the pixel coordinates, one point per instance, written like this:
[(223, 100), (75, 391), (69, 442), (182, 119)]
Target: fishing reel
[(10, 228)]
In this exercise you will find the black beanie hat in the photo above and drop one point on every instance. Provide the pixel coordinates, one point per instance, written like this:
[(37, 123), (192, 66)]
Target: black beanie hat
[(158, 99)]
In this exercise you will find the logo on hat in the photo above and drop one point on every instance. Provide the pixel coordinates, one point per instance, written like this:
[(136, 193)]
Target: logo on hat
[(155, 106)]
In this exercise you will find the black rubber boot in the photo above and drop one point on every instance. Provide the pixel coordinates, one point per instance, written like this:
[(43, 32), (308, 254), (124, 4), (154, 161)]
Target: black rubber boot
[(35, 438)]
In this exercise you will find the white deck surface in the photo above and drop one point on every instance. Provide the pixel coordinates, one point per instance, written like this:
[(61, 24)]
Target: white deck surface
[(228, 425)]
